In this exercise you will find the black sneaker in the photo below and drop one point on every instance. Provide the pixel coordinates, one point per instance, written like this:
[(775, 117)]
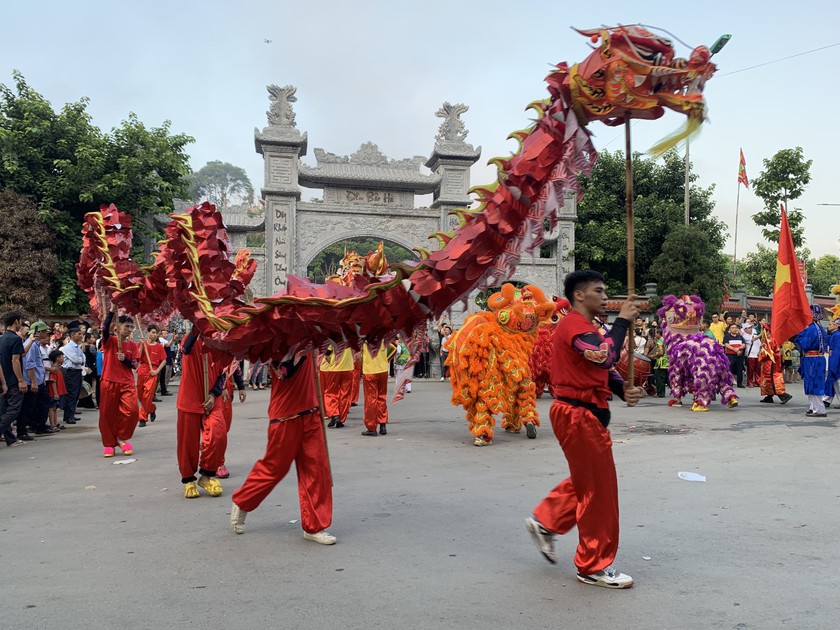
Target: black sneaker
[(69, 422), (339, 424), (767, 399), (785, 398), (383, 430), (153, 417), (26, 437), (142, 423), (369, 433), (333, 420)]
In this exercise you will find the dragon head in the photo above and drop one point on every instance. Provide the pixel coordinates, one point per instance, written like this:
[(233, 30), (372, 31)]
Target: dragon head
[(682, 315), (635, 73), (520, 310), (354, 267)]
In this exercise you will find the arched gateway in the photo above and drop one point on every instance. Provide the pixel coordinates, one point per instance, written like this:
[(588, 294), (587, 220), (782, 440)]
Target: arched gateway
[(368, 194)]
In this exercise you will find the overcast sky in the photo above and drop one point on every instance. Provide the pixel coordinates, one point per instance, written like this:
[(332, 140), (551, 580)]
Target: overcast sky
[(378, 70)]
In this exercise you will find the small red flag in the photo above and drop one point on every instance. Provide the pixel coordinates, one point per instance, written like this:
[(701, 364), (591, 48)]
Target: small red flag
[(742, 171), (791, 311)]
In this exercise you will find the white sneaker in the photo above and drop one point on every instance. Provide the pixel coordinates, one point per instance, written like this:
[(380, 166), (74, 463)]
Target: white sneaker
[(322, 538), (441, 379), (237, 519), (543, 539), (608, 578)]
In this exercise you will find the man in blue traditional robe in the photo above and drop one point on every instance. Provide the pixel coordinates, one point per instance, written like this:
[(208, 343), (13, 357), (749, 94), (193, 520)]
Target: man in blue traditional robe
[(832, 381), (813, 343)]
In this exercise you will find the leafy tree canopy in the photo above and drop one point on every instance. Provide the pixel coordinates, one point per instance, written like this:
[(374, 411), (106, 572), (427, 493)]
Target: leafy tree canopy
[(824, 274), (27, 257), (67, 166), (783, 179), (691, 263), (328, 259), (601, 230), (222, 184)]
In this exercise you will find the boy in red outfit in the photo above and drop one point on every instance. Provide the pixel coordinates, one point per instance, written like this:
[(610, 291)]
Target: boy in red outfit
[(295, 433), (337, 383), (583, 382), (152, 361), (118, 410), (202, 433), (375, 383)]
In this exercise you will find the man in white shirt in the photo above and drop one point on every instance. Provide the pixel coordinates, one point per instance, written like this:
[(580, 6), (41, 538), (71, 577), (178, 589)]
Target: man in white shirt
[(753, 347), (73, 369)]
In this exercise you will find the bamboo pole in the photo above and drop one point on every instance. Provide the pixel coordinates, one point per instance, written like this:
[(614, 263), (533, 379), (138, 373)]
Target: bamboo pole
[(314, 359), (735, 247), (631, 244)]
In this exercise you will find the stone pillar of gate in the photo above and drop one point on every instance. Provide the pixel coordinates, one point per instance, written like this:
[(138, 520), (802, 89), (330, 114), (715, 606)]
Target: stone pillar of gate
[(281, 146), (451, 159)]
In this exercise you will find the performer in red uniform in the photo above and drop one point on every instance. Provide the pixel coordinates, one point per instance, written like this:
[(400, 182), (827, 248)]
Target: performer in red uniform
[(337, 384), (118, 410), (152, 361), (295, 433), (583, 383), (375, 379), (234, 377), (202, 433)]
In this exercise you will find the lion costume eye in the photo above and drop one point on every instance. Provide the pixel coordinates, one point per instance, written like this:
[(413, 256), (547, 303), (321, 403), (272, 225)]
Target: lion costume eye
[(504, 317)]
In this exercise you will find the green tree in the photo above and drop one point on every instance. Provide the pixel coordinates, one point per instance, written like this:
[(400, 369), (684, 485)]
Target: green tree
[(222, 184), (27, 256), (328, 260), (691, 263), (783, 179), (68, 167), (824, 274), (756, 272), (601, 230)]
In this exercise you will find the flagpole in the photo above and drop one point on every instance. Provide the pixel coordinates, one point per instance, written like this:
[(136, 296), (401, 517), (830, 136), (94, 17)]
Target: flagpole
[(735, 250)]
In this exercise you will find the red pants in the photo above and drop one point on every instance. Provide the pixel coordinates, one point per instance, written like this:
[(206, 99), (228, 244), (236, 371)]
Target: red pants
[(204, 434), (146, 385), (337, 387), (354, 388), (118, 412), (376, 400), (300, 440), (753, 370), (589, 497)]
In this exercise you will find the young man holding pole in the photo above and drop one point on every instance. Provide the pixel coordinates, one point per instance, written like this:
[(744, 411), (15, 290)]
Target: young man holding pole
[(152, 361), (118, 409), (202, 432), (580, 414), (295, 434)]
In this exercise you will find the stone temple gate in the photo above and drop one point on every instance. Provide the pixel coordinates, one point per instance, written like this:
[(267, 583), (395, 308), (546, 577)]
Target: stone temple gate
[(369, 195)]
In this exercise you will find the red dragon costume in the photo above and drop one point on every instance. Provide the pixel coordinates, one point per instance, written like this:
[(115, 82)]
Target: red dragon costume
[(632, 73)]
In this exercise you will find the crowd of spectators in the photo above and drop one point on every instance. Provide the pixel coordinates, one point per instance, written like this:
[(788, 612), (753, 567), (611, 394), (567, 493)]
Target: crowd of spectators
[(48, 372)]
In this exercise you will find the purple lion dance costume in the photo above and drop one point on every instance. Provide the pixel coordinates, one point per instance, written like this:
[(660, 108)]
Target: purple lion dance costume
[(698, 364)]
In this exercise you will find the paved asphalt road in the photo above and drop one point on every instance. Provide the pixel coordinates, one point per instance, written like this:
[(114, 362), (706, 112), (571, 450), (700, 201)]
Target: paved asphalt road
[(430, 528)]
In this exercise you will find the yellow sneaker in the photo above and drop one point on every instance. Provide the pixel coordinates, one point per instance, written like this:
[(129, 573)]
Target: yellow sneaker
[(190, 490), (698, 407), (211, 486)]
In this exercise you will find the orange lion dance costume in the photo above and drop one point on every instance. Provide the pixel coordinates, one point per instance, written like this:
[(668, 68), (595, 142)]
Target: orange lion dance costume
[(489, 356)]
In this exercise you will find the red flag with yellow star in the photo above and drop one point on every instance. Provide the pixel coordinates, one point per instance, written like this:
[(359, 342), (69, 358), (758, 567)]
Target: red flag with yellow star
[(791, 311)]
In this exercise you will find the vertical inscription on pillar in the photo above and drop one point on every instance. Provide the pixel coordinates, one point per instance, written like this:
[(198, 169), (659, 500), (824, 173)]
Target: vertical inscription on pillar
[(278, 245)]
